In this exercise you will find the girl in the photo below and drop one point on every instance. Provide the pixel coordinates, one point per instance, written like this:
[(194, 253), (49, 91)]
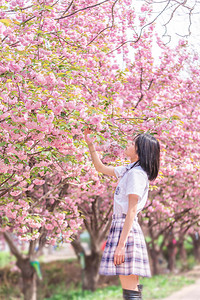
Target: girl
[(125, 253)]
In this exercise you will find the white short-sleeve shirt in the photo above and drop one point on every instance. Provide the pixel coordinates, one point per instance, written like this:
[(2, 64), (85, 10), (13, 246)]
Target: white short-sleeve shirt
[(132, 181)]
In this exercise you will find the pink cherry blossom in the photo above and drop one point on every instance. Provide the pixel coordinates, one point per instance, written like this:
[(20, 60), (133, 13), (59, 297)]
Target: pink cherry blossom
[(38, 181), (15, 193)]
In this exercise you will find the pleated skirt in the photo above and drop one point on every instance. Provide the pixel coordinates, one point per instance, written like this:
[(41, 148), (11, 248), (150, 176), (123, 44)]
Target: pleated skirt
[(136, 255)]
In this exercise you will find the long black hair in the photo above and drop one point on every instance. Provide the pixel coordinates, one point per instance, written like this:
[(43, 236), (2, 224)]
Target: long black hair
[(148, 151)]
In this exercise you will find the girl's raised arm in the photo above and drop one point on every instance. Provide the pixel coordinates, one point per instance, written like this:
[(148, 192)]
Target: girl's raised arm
[(99, 166)]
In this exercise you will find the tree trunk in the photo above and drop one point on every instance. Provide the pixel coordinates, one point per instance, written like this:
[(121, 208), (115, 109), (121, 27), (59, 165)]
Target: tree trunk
[(29, 279), (27, 271), (154, 258), (152, 249), (182, 253), (196, 246), (171, 256), (91, 271)]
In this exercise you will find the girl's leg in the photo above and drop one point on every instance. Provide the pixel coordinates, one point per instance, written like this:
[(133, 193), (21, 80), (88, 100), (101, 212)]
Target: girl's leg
[(131, 287), (129, 282)]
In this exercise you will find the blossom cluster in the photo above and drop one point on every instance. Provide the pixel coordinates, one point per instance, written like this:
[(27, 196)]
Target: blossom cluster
[(59, 74)]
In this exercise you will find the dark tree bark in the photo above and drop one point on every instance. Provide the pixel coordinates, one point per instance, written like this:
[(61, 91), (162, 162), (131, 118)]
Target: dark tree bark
[(182, 251), (27, 271), (91, 271), (154, 254), (28, 278), (196, 246), (97, 227), (172, 250), (153, 251)]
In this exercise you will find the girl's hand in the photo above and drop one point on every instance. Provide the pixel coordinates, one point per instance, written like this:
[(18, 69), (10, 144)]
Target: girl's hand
[(119, 255), (87, 138)]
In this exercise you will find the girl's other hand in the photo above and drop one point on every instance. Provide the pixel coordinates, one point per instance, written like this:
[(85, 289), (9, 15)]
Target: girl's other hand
[(119, 255)]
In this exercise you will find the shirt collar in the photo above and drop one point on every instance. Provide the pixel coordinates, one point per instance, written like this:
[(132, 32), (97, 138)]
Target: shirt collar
[(129, 166)]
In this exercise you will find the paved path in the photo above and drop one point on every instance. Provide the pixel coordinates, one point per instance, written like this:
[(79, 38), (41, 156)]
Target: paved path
[(66, 251), (190, 292)]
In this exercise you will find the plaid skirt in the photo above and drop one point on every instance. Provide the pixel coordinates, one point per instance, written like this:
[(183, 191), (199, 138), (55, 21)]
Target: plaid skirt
[(136, 256)]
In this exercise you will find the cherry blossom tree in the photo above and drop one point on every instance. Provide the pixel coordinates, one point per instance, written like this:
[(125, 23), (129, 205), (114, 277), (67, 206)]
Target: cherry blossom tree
[(154, 92), (59, 74)]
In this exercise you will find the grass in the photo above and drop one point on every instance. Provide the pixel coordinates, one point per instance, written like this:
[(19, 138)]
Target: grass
[(6, 259), (111, 292), (157, 287), (189, 264), (161, 286)]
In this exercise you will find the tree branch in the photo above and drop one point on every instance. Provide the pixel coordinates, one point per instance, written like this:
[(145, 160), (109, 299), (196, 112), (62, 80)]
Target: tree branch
[(68, 7), (108, 27), (140, 34), (105, 220), (32, 245), (42, 238), (5, 191), (13, 248), (46, 195), (104, 231), (29, 19), (78, 248), (82, 9), (8, 178)]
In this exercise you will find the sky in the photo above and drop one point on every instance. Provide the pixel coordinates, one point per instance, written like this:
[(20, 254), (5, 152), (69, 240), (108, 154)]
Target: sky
[(179, 25)]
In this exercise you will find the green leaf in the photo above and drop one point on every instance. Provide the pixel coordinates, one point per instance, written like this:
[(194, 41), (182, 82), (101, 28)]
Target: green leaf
[(6, 161), (48, 7), (6, 22)]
